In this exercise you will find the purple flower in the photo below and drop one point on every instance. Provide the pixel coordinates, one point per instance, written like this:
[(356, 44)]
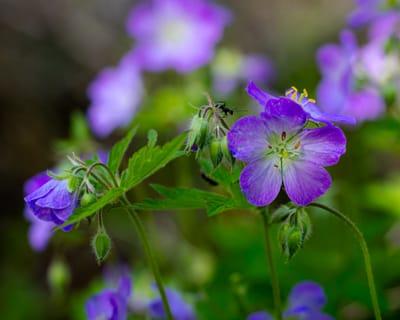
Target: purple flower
[(115, 95), (344, 89), (230, 68), (53, 202), (179, 308), (280, 150), (308, 105), (110, 304), (306, 301), (40, 231), (369, 10), (176, 34)]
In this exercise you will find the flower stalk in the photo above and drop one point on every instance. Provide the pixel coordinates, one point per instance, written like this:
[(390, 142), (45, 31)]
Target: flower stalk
[(364, 249), (274, 277)]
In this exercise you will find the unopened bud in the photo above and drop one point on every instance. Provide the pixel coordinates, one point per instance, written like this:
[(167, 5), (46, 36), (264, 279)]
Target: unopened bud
[(58, 276), (225, 150), (101, 245), (73, 183), (215, 151), (199, 133), (87, 199)]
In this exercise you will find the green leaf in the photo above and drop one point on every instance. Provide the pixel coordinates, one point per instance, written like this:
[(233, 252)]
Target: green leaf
[(150, 159), (152, 138), (184, 198), (84, 212), (118, 150)]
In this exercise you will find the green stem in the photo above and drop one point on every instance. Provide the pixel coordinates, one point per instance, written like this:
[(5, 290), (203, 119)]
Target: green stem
[(149, 253), (274, 277), (364, 249)]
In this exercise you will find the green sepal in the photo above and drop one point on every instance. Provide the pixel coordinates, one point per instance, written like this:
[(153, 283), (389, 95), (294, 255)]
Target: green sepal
[(101, 245)]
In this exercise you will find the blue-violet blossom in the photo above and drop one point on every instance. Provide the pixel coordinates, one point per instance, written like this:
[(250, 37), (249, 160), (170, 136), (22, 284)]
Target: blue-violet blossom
[(176, 34), (179, 308), (39, 231), (306, 301), (115, 96), (280, 150), (110, 304), (53, 202), (369, 10)]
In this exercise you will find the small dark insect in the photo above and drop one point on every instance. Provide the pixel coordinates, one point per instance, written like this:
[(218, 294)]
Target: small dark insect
[(222, 106), (210, 181)]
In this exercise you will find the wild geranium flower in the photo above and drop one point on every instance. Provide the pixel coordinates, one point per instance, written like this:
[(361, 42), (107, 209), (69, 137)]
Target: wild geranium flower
[(180, 309), (40, 231), (369, 10), (115, 96), (306, 301), (280, 150), (53, 202), (230, 68), (110, 304), (176, 34), (345, 88), (307, 104)]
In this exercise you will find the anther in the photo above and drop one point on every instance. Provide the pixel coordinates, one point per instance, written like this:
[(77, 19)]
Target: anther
[(283, 135), (297, 145)]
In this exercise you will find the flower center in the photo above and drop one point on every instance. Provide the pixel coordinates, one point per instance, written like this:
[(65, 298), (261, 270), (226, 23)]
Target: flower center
[(286, 148)]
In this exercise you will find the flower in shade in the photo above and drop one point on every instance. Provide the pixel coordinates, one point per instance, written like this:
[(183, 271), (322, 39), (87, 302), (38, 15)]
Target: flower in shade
[(115, 95), (110, 304), (344, 88), (39, 231), (176, 34), (308, 105), (230, 68), (279, 150), (179, 308), (53, 202), (306, 301)]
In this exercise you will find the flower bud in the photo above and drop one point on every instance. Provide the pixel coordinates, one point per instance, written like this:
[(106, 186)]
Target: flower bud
[(58, 276), (199, 133), (215, 151), (225, 150), (73, 183), (101, 245), (294, 231), (87, 199)]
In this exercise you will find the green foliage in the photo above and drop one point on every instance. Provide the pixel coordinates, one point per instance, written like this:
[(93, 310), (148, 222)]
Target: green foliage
[(150, 159), (184, 198), (119, 149)]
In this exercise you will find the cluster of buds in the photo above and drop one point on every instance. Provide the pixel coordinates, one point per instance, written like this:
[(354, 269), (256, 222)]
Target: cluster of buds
[(294, 230), (208, 131)]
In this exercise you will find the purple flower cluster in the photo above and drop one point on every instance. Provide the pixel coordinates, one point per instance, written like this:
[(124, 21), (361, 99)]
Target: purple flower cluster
[(169, 34), (361, 81), (279, 149), (306, 301)]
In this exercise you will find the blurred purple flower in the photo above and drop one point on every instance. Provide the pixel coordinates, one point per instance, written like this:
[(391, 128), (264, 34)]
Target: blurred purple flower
[(40, 231), (176, 34), (280, 150), (308, 105), (53, 202), (115, 95), (369, 10), (306, 301), (341, 90), (110, 304), (179, 308), (230, 68)]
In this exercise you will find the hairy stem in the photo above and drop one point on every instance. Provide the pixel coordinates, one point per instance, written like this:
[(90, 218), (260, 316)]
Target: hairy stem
[(149, 253), (364, 249), (274, 277)]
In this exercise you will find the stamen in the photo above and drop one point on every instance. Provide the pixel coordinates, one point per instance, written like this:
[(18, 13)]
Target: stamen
[(297, 145), (283, 135), (276, 166), (269, 146)]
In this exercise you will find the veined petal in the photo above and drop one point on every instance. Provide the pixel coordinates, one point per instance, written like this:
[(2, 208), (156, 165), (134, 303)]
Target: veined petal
[(322, 146), (42, 191), (307, 293), (284, 114), (261, 181), (248, 138), (257, 94), (59, 198), (305, 181)]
